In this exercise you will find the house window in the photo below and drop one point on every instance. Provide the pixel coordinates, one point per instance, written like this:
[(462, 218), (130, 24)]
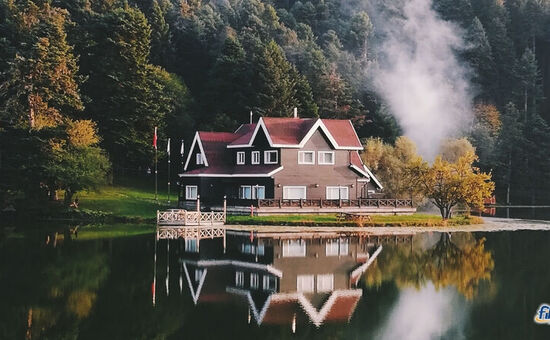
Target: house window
[(269, 282), (294, 192), (294, 248), (191, 192), (255, 157), (271, 157), (326, 157), (254, 281), (258, 192), (325, 283), (305, 283), (306, 157), (240, 157), (198, 274), (337, 193), (248, 248), (337, 247), (191, 246), (239, 279), (245, 192), (199, 159)]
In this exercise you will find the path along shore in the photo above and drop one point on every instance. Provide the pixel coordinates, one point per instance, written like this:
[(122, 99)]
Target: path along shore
[(490, 225)]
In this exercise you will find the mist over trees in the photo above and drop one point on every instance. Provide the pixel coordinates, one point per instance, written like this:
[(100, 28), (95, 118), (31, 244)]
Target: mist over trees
[(182, 65)]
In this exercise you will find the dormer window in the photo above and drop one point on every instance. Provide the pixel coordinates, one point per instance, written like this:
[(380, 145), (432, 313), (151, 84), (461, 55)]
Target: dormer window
[(240, 157), (200, 160), (271, 157), (255, 157)]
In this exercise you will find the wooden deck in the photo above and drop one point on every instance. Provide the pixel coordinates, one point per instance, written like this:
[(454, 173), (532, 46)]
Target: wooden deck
[(176, 223)]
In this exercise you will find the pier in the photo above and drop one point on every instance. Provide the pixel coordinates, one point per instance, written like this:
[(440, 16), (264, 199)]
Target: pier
[(177, 223)]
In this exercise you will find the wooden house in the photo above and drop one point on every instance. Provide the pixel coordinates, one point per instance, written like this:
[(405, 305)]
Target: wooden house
[(277, 161)]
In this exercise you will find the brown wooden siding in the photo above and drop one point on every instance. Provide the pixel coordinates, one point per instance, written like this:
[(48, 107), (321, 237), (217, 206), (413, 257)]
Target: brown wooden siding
[(311, 175)]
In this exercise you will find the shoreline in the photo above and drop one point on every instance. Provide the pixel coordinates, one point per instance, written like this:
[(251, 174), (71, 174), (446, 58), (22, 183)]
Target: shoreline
[(490, 225)]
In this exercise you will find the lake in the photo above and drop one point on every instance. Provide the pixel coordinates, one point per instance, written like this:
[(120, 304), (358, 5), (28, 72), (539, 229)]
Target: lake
[(307, 286)]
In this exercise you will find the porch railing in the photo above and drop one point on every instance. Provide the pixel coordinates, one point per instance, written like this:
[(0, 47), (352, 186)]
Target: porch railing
[(324, 203), (184, 217)]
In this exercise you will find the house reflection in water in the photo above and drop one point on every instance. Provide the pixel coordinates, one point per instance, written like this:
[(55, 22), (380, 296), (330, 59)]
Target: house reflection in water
[(284, 278)]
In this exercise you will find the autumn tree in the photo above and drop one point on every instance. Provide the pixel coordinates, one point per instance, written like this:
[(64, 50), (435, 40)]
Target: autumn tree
[(392, 164), (450, 183), (41, 86)]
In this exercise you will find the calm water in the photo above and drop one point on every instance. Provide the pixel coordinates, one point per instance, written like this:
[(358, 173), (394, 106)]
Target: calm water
[(428, 286)]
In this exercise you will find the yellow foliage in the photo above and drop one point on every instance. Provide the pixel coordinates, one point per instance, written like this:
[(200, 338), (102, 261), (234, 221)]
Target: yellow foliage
[(452, 149), (82, 133), (80, 303), (449, 184), (488, 115)]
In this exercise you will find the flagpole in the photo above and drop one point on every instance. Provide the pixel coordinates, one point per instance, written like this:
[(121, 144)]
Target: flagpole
[(156, 167), (168, 149)]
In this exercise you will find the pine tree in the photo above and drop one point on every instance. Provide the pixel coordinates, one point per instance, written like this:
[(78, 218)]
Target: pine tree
[(160, 35), (41, 86), (277, 84), (530, 80), (479, 55)]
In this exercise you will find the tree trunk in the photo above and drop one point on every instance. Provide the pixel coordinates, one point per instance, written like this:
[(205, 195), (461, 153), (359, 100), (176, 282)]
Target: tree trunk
[(508, 178)]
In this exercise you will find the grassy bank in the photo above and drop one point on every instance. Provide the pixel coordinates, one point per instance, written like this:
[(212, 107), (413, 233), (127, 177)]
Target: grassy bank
[(94, 232), (420, 220), (130, 199)]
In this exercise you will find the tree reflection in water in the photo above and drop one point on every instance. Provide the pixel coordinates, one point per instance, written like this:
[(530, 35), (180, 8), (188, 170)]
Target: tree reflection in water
[(459, 260)]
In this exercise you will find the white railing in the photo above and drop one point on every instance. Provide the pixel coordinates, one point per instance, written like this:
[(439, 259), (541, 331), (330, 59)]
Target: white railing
[(184, 217)]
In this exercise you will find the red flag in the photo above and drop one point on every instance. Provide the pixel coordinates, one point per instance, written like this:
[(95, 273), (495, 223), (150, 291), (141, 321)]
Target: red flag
[(155, 139)]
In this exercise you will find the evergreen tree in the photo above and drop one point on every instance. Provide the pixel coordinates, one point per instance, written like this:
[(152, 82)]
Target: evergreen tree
[(41, 86), (530, 80), (160, 35), (479, 55), (277, 83)]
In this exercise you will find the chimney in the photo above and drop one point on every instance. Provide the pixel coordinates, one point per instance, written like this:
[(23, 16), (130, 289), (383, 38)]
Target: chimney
[(295, 112), (250, 116)]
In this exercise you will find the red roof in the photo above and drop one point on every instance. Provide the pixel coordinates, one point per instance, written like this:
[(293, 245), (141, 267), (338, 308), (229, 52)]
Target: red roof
[(245, 133), (343, 132), (291, 131), (288, 130), (355, 159), (220, 159)]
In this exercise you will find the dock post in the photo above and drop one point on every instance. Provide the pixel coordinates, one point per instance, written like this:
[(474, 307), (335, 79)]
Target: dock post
[(224, 210), (224, 241)]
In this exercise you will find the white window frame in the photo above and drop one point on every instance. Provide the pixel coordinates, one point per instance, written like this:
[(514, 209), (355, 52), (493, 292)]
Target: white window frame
[(191, 245), (239, 279), (305, 283), (255, 190), (199, 159), (340, 195), (267, 157), (255, 157), (241, 158), (301, 157), (337, 247), (267, 282), (198, 274), (285, 193), (241, 192), (294, 248), (188, 196), (321, 157), (254, 281), (325, 283)]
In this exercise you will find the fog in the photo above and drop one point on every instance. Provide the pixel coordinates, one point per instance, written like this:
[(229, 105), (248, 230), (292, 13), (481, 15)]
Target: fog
[(418, 73), (425, 314)]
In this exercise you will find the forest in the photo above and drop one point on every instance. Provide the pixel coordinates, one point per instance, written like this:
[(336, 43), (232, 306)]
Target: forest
[(83, 83)]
